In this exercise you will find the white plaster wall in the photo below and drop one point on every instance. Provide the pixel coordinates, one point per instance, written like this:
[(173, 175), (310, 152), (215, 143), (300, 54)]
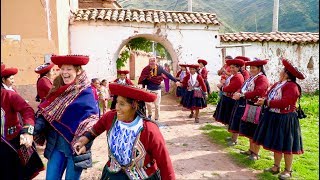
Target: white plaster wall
[(298, 54), (102, 41)]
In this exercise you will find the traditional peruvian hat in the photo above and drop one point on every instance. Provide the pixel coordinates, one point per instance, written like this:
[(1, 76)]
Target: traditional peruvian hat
[(293, 70), (204, 62), (243, 58), (183, 65), (76, 60), (122, 71), (44, 68), (132, 92), (238, 62), (2, 67), (9, 72), (256, 62), (195, 66)]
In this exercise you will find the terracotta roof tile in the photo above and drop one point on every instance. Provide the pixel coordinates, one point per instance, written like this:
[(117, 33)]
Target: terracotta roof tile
[(148, 16), (294, 37)]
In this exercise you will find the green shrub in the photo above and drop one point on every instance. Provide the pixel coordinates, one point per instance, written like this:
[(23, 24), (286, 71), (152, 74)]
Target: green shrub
[(213, 98)]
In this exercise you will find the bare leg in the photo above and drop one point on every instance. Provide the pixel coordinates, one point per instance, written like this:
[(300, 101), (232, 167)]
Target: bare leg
[(288, 158), (277, 160)]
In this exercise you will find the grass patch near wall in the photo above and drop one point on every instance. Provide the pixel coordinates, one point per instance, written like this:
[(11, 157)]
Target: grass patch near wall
[(305, 166)]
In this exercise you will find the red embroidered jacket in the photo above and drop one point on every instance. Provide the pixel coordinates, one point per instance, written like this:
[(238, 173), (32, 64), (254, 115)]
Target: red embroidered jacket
[(204, 73), (234, 86), (287, 103), (245, 74), (153, 143), (12, 103), (199, 79), (261, 85), (43, 86)]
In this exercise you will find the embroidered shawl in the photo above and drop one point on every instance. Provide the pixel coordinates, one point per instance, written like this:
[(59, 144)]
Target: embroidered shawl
[(70, 106)]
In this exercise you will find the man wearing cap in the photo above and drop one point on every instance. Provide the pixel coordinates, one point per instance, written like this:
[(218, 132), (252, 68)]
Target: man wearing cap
[(122, 79), (7, 77), (151, 76), (44, 82), (204, 73), (279, 128)]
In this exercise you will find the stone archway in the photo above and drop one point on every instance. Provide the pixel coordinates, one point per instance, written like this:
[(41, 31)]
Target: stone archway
[(164, 42)]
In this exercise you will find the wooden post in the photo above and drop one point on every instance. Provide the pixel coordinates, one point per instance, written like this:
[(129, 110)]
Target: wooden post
[(223, 52)]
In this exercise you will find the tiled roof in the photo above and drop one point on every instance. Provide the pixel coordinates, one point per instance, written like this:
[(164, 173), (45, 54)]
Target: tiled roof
[(147, 16), (294, 37)]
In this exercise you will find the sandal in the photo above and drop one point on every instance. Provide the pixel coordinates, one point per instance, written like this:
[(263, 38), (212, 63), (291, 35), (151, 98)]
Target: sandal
[(286, 174), (248, 153), (271, 169), (254, 156), (196, 120), (191, 115), (232, 143)]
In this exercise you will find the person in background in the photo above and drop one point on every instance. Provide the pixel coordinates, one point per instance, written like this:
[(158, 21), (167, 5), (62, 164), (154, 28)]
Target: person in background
[(245, 73), (194, 98), (7, 77), (183, 72), (279, 128), (224, 73), (151, 76), (122, 79), (68, 111), (95, 86), (165, 78), (232, 84), (136, 147), (44, 82), (204, 73), (245, 115), (104, 96), (17, 137)]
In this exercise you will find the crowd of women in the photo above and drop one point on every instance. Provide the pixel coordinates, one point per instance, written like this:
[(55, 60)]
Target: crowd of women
[(73, 111)]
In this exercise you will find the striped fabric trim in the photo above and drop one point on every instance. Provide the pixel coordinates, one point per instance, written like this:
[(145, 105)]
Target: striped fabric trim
[(55, 110)]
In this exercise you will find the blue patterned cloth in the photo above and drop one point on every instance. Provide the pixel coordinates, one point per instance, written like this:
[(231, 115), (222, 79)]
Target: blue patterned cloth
[(122, 138)]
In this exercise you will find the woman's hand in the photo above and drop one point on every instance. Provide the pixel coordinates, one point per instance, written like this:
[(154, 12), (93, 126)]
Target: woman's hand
[(236, 96), (178, 83), (79, 146), (219, 86), (260, 101), (26, 139)]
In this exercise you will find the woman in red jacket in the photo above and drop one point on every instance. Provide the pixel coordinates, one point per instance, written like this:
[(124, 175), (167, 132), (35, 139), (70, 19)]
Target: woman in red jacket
[(136, 149), (44, 82), (279, 129), (232, 84), (196, 91)]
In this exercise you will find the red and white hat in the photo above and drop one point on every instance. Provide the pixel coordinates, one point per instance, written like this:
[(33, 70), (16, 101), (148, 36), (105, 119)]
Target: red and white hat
[(204, 62), (256, 62), (293, 70), (238, 62), (9, 72), (245, 59), (122, 71), (76, 60), (195, 66), (44, 68), (132, 92)]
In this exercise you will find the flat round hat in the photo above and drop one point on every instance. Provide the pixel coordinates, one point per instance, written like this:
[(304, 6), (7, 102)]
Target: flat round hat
[(44, 68), (132, 92), (293, 70), (76, 60), (9, 72), (238, 62)]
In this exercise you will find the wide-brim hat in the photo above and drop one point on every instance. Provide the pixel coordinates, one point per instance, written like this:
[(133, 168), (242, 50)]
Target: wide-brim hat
[(122, 71), (132, 92), (76, 60), (243, 58), (44, 68), (293, 70), (9, 72), (183, 65), (204, 62), (256, 62), (238, 62), (195, 66), (3, 67)]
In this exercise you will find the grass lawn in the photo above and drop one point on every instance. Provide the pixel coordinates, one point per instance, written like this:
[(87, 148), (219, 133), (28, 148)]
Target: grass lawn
[(305, 166)]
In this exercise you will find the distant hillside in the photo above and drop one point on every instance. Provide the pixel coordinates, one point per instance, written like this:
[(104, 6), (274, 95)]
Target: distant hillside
[(245, 15)]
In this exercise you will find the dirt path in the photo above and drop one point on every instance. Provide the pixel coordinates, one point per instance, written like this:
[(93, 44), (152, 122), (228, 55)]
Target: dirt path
[(192, 153)]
